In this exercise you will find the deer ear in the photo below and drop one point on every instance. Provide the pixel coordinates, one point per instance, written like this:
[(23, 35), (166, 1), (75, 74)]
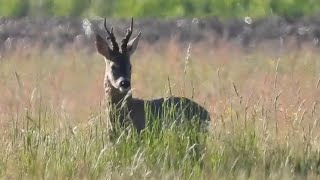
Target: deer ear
[(132, 45), (103, 47)]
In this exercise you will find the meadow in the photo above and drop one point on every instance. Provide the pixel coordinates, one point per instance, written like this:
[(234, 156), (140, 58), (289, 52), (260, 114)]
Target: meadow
[(264, 106)]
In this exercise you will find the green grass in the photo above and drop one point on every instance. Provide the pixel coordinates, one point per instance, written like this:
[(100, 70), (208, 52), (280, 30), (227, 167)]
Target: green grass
[(68, 152), (156, 8), (264, 115)]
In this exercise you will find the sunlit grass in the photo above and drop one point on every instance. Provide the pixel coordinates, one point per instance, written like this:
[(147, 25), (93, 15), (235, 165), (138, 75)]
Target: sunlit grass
[(264, 115)]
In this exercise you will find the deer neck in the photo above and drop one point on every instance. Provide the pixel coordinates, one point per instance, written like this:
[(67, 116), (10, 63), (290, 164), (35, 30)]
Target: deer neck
[(117, 102)]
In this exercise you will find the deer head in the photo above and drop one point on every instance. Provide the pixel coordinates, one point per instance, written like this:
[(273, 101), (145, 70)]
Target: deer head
[(118, 66)]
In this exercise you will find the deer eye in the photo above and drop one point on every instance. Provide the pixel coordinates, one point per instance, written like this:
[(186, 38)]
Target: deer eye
[(130, 68)]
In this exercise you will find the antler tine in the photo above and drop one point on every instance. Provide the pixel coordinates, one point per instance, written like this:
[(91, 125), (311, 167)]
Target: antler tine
[(105, 26), (131, 27), (111, 36), (126, 39)]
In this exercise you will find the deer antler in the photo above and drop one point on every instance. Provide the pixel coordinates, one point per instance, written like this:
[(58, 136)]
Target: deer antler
[(111, 36), (126, 39)]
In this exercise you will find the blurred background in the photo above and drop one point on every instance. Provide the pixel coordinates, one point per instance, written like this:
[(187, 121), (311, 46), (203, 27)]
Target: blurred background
[(246, 23), (159, 8)]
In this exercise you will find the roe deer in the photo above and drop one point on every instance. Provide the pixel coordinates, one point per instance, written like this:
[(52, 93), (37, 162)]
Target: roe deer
[(117, 84)]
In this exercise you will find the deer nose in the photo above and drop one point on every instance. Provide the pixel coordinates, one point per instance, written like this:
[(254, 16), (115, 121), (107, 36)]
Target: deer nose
[(125, 84)]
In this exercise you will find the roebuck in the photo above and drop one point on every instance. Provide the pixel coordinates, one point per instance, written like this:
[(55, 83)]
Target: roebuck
[(118, 94)]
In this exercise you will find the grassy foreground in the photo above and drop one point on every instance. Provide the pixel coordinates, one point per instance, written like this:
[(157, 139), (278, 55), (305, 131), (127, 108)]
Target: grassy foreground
[(264, 108)]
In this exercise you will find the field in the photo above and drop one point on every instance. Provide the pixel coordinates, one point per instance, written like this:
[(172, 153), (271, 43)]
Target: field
[(264, 106)]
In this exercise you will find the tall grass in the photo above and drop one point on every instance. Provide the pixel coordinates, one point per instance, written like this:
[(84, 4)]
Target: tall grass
[(264, 109)]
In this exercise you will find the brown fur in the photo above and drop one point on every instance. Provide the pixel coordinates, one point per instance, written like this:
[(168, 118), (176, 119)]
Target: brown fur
[(119, 100)]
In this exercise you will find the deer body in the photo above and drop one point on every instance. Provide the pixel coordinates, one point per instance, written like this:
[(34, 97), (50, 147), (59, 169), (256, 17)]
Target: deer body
[(118, 84)]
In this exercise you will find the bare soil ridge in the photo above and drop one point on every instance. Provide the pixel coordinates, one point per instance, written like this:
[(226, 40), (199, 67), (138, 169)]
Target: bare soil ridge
[(58, 32)]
